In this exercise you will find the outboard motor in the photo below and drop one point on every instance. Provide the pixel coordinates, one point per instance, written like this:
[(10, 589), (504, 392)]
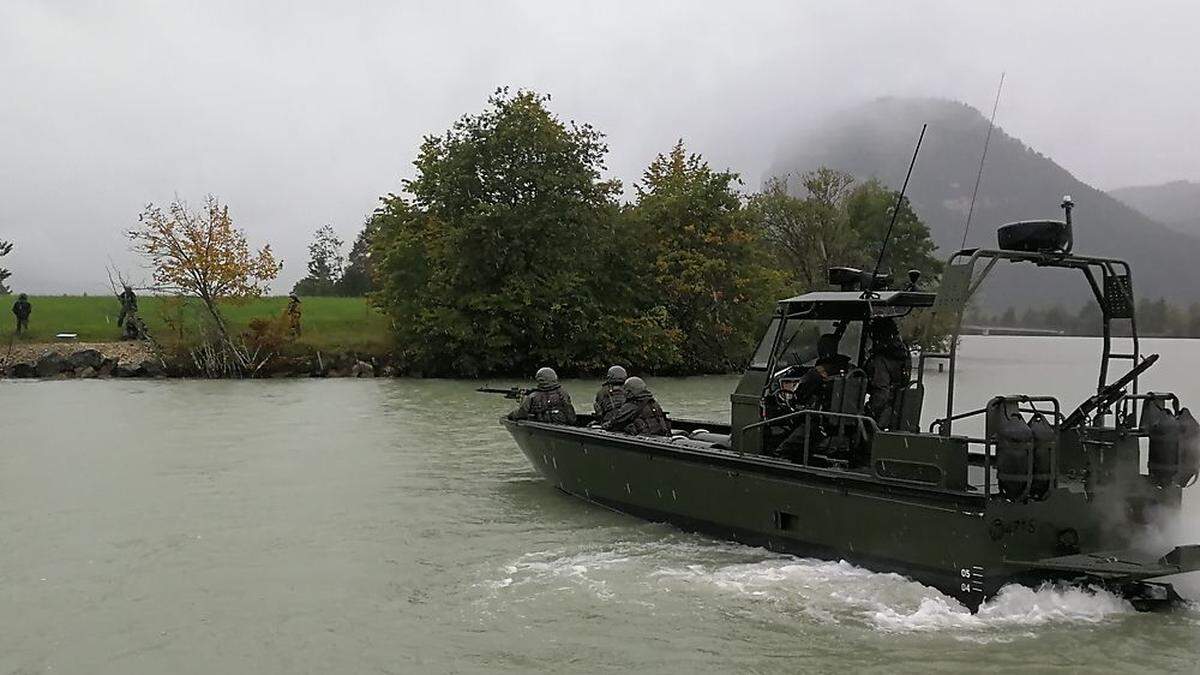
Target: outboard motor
[(1014, 448), (1045, 446), (1163, 429)]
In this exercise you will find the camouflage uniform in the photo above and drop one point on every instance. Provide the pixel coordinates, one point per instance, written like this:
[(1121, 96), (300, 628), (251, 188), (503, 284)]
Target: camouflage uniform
[(22, 309), (293, 314), (889, 369), (609, 399), (547, 403), (640, 416), (611, 395), (128, 305)]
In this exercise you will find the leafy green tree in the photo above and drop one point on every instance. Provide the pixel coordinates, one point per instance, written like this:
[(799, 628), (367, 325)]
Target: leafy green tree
[(711, 268), (325, 264), (357, 278), (812, 234), (505, 252), (869, 208), (5, 249), (837, 222)]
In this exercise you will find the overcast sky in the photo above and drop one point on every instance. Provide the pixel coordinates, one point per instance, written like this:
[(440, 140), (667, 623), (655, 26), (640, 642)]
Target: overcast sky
[(298, 114)]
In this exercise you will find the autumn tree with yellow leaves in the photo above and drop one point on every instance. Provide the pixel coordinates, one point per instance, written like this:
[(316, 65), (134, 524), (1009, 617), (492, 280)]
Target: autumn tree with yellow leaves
[(202, 254)]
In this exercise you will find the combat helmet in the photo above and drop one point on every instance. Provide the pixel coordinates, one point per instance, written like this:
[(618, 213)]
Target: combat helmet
[(635, 386), (616, 375), (546, 377)]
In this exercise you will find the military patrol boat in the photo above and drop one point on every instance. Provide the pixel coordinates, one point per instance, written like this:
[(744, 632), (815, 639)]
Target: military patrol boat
[(1045, 494)]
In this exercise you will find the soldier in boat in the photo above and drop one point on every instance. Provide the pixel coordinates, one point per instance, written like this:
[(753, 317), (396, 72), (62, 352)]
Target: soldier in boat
[(813, 390), (640, 415), (548, 403), (888, 368), (611, 395)]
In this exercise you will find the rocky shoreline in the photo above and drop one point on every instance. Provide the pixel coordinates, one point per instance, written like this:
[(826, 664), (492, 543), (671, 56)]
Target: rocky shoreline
[(103, 360)]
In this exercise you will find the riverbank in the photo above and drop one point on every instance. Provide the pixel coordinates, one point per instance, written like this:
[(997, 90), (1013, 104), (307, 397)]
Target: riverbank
[(327, 324), (339, 337), (86, 360)]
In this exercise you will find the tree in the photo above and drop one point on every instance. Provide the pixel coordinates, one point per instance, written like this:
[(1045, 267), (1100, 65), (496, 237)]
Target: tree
[(325, 264), (869, 208), (493, 260), (5, 249), (711, 267), (812, 234), (201, 253), (357, 280), (839, 223)]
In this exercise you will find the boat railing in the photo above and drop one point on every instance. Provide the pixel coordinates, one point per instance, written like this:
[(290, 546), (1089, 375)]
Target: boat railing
[(1127, 408), (1031, 407)]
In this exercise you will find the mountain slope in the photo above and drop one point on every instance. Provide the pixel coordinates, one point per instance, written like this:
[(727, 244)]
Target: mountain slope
[(876, 140), (1175, 204)]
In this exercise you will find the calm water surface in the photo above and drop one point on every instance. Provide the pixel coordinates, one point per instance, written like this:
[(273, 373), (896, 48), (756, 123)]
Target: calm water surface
[(393, 526)]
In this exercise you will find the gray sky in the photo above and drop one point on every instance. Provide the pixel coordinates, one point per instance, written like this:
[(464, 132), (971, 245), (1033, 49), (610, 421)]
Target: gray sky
[(299, 114)]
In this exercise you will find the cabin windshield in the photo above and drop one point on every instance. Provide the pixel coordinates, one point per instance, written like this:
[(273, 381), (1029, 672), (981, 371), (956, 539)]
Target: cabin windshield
[(798, 345), (762, 355)]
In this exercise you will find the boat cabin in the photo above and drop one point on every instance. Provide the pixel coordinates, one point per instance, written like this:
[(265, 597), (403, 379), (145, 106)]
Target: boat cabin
[(813, 357)]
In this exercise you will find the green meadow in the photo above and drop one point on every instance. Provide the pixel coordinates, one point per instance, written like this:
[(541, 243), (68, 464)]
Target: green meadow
[(327, 323)]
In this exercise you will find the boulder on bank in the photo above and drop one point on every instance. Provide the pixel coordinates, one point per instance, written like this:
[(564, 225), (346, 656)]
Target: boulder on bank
[(85, 358), (51, 364), (150, 368), (362, 369), (85, 373), (22, 370)]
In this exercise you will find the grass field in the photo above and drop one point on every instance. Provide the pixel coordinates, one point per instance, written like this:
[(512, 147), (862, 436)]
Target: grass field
[(327, 323)]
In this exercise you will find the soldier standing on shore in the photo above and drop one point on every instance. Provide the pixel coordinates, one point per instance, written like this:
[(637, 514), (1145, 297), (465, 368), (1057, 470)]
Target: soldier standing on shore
[(128, 318), (128, 305), (22, 309), (293, 314)]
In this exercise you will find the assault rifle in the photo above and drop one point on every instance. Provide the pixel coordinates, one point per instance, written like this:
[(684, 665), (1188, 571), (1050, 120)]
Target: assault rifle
[(515, 393)]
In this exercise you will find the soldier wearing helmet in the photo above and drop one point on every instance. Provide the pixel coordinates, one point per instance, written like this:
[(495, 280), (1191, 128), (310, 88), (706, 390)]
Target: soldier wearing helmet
[(548, 403), (640, 415), (889, 370), (611, 395)]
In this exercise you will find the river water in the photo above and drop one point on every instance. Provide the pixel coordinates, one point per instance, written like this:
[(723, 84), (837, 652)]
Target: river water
[(360, 526)]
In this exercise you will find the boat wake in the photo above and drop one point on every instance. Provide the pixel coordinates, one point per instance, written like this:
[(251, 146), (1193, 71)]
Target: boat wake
[(758, 584)]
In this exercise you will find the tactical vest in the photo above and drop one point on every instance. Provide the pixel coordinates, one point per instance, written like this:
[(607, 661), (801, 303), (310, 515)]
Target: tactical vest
[(650, 420), (608, 400), (551, 405)]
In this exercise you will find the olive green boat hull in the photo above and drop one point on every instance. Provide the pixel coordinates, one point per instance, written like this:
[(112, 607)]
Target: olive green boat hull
[(957, 542)]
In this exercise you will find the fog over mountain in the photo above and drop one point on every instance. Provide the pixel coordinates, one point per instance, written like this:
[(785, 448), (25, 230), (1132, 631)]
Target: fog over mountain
[(303, 113), (1176, 204), (1019, 183)]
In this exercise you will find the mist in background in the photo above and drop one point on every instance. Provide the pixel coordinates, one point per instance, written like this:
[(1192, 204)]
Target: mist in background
[(300, 114)]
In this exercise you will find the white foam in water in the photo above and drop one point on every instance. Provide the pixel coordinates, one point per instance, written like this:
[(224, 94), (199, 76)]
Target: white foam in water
[(825, 591), (843, 592), (1014, 606)]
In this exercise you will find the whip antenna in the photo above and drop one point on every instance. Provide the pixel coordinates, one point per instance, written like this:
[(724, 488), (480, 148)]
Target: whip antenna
[(895, 212), (982, 157)]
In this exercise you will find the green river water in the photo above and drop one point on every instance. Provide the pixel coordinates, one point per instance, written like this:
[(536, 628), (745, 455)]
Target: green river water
[(392, 526)]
